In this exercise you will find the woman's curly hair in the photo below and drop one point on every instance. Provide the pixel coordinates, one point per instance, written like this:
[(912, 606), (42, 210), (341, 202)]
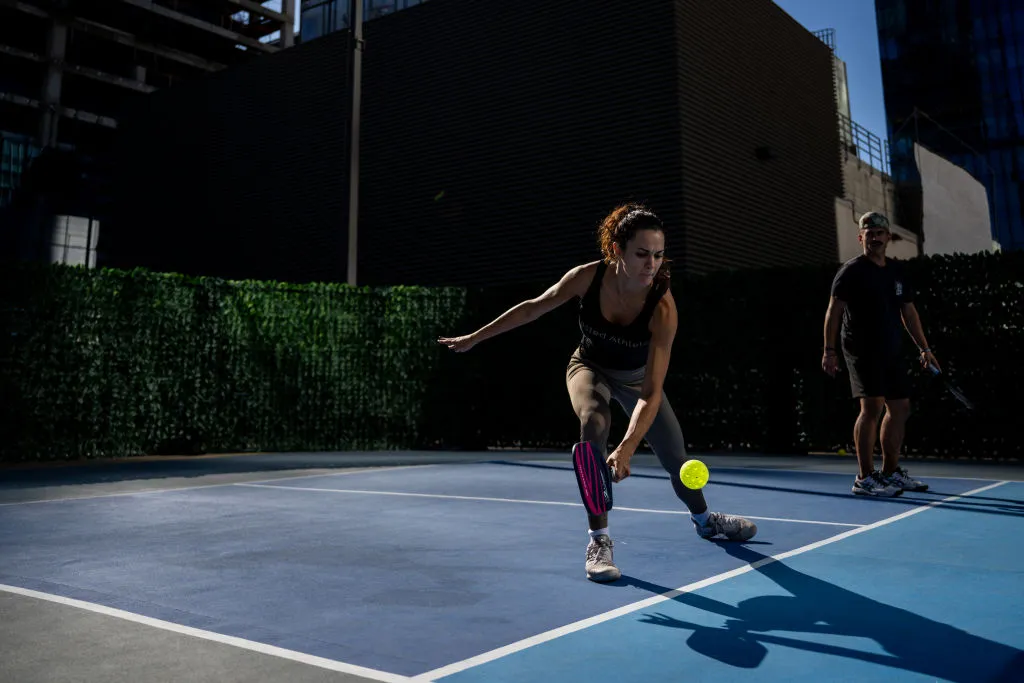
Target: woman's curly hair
[(622, 224)]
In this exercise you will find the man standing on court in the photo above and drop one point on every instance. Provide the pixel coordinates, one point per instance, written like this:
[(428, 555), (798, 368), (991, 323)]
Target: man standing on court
[(874, 300)]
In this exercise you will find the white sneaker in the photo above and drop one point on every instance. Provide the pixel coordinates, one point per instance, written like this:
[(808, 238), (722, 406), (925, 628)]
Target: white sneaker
[(600, 566), (733, 527), (906, 482), (876, 485)]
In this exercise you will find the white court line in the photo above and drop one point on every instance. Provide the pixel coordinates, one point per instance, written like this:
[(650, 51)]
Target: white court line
[(355, 470), (754, 468), (516, 500), (627, 609), (373, 468), (242, 643), (851, 473)]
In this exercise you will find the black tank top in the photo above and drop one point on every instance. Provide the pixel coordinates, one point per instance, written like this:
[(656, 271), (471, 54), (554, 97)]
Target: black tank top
[(616, 347)]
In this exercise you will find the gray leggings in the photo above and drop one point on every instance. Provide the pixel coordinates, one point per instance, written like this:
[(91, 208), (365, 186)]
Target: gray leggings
[(592, 389)]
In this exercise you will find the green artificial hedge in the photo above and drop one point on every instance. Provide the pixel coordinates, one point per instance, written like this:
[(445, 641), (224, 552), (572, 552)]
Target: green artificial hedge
[(745, 371), (108, 363)]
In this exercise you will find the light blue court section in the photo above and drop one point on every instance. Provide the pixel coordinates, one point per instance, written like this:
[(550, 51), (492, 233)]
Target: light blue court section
[(936, 595)]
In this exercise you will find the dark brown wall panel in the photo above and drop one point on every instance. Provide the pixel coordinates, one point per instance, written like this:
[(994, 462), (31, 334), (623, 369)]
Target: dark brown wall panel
[(533, 120), (750, 76), (240, 174)]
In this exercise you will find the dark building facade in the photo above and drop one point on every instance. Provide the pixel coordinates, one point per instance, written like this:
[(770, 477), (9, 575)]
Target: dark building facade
[(70, 70), (320, 17), (953, 75), (493, 142)]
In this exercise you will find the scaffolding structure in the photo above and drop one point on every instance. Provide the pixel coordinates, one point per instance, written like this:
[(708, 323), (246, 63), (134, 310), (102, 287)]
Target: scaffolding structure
[(70, 73), (69, 67)]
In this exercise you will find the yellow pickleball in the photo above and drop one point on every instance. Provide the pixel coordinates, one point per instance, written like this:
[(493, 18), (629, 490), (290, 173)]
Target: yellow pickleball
[(693, 474)]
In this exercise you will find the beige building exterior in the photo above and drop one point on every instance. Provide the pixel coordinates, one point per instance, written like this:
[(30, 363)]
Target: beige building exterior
[(868, 189)]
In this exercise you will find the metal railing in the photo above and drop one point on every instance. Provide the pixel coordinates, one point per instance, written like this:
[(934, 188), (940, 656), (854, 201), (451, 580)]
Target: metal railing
[(867, 146), (827, 36)]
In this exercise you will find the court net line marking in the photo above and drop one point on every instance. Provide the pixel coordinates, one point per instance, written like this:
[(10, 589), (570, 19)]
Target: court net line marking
[(171, 489), (519, 501), (374, 468), (512, 648), (262, 648), (755, 468), (644, 466)]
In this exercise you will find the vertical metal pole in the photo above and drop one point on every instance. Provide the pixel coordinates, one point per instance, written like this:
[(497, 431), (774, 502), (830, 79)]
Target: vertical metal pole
[(288, 28), (88, 246), (356, 33), (56, 47)]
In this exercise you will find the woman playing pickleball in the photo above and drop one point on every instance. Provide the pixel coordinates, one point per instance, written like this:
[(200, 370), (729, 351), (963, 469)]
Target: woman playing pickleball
[(628, 320)]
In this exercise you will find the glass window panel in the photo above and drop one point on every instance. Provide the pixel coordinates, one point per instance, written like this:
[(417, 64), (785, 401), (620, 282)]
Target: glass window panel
[(1014, 83), (1013, 195), (312, 24), (997, 199), (339, 14)]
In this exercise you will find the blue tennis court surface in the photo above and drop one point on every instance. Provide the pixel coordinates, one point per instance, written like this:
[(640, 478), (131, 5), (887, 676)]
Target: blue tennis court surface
[(475, 572)]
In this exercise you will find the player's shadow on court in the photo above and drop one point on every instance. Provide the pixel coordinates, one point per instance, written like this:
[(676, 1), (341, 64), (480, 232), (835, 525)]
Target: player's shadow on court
[(821, 609)]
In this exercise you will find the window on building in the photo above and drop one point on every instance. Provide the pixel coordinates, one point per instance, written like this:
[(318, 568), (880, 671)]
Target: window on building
[(74, 241), (16, 152), (312, 23), (380, 8), (320, 17)]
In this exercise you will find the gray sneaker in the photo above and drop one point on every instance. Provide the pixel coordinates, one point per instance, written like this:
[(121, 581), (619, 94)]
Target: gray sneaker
[(732, 527), (903, 480), (600, 566), (876, 485)]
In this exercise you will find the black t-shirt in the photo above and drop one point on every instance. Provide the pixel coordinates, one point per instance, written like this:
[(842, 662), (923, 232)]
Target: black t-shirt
[(874, 296)]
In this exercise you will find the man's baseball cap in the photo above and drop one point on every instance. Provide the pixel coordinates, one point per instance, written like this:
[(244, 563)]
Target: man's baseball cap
[(873, 219)]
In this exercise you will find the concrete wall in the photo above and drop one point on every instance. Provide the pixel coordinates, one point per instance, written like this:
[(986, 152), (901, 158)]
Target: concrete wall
[(904, 243), (867, 189), (955, 207)]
